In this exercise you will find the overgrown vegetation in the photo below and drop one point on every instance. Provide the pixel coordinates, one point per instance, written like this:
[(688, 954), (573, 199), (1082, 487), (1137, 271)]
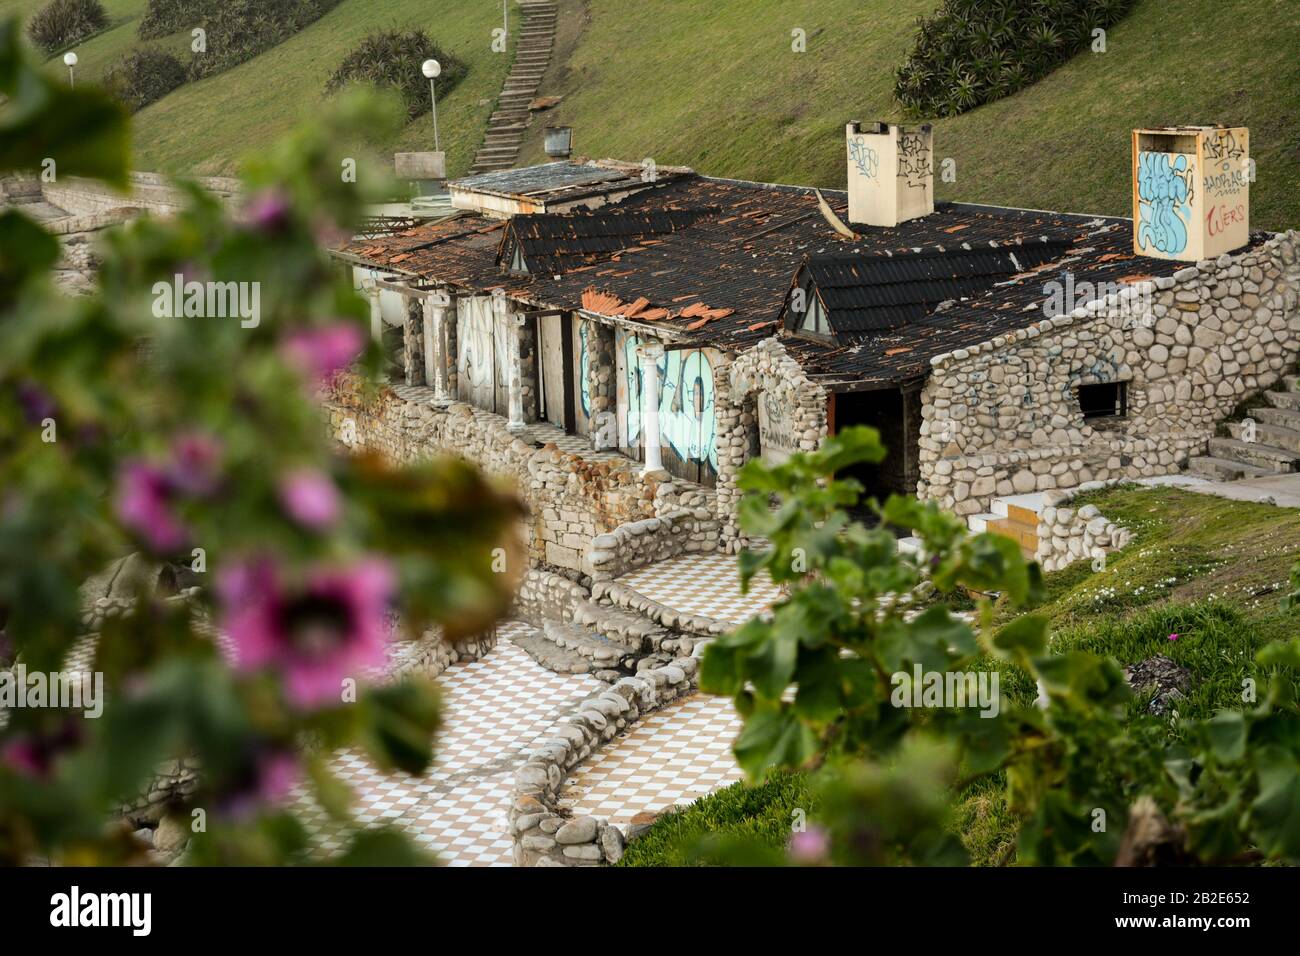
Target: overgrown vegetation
[(144, 75), (165, 17), (62, 23), (976, 51), (1214, 771), (238, 30), (393, 58)]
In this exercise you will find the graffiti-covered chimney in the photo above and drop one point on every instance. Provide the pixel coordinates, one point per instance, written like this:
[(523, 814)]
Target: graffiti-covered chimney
[(891, 173), (1191, 191)]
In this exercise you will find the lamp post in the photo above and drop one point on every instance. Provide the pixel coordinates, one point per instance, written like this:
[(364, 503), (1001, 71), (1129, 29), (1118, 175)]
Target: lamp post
[(70, 60), (431, 69), (505, 19)]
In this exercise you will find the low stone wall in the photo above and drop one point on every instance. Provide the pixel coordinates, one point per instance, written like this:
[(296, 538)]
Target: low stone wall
[(544, 836), (147, 191), (650, 540), (1003, 417), (1066, 534), (546, 596), (570, 500)]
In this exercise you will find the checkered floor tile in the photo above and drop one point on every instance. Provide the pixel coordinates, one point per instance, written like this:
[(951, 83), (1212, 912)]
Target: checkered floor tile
[(496, 710), (670, 758), (707, 584)]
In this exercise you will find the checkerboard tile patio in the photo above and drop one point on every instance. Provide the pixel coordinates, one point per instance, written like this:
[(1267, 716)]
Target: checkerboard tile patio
[(707, 584), (670, 758), (495, 711)]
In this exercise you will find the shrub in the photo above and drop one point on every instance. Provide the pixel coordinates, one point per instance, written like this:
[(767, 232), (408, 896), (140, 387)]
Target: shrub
[(61, 23), (144, 75), (976, 51), (393, 58), (165, 17), (238, 30)]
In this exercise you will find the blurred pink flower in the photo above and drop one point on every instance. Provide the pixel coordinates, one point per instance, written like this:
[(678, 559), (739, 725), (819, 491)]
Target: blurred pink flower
[(334, 625), (310, 498), (1173, 637), (268, 211), (34, 754), (144, 504), (321, 352), (810, 845), (268, 779), (194, 463)]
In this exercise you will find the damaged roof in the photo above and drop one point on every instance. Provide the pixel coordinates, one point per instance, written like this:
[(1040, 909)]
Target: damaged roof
[(722, 280), (553, 243)]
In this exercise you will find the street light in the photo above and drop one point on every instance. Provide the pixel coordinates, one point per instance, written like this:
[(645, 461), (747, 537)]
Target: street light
[(431, 69), (70, 60)]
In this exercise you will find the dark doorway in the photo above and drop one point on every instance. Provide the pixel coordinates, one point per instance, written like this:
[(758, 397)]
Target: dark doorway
[(897, 416)]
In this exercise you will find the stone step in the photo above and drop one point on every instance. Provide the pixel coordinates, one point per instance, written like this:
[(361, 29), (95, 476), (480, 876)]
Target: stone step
[(910, 545), (602, 652), (1292, 382), (1278, 436), (551, 656), (1277, 416), (636, 633), (1223, 469), (1289, 400), (1254, 453), (980, 523)]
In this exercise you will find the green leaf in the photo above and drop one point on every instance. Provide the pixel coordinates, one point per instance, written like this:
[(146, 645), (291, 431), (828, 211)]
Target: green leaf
[(1276, 811), (1025, 635), (773, 737), (1226, 735)]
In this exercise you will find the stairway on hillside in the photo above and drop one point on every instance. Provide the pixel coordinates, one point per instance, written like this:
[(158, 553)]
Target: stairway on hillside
[(1272, 447), (500, 148)]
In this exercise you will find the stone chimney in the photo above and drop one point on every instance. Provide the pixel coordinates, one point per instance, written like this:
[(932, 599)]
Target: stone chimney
[(1191, 191), (891, 173)]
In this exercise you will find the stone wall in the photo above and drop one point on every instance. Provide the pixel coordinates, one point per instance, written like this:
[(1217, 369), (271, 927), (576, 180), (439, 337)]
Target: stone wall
[(546, 596), (148, 191), (1003, 417), (1066, 534), (765, 369), (570, 499), (543, 836), (685, 522)]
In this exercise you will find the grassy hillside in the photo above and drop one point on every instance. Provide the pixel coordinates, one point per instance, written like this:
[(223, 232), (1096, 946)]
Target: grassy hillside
[(206, 127), (716, 86)]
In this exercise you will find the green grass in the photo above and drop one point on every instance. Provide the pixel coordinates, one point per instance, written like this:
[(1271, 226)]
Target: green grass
[(716, 86), (207, 128), (1210, 570)]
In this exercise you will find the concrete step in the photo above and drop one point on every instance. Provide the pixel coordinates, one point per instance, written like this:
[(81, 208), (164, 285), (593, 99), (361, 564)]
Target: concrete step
[(1279, 460), (1290, 400), (1224, 469), (909, 545), (1291, 382), (1278, 436), (1277, 416), (980, 523)]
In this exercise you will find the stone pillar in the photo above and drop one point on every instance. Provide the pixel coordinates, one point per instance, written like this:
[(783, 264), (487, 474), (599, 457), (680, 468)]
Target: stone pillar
[(413, 358), (516, 421), (435, 346), (649, 356), (377, 329)]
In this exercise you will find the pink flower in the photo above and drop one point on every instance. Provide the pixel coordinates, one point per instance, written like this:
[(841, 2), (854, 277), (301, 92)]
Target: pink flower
[(810, 845), (319, 353), (144, 501), (194, 463), (331, 626), (268, 211), (267, 779), (1173, 637), (310, 498), (35, 754)]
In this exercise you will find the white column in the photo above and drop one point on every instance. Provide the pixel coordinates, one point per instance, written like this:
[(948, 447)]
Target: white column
[(649, 355), (435, 346), (516, 383), (377, 328)]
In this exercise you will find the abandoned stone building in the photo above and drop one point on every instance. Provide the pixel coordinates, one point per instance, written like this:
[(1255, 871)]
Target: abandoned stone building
[(622, 339)]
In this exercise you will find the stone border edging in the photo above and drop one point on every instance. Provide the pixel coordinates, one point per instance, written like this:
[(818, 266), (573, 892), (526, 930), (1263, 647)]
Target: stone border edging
[(697, 625), (1073, 535), (543, 835)]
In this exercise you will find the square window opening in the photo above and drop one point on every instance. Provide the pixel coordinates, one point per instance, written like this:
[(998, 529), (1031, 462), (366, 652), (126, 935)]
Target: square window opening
[(1104, 400)]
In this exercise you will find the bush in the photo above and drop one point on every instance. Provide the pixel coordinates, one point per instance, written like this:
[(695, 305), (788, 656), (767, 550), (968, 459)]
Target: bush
[(977, 51), (144, 75), (61, 23), (165, 17), (393, 58), (238, 30)]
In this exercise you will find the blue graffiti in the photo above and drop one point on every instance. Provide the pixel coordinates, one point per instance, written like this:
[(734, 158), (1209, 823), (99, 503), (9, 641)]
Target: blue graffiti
[(1165, 202), (686, 419), (584, 370), (865, 158)]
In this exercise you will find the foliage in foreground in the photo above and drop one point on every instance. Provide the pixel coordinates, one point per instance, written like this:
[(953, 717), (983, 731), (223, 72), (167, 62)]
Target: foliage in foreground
[(393, 58), (205, 452), (823, 685), (63, 23), (976, 51)]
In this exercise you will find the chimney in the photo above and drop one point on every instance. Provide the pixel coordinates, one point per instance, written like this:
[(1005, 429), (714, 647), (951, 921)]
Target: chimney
[(891, 173), (1191, 191)]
